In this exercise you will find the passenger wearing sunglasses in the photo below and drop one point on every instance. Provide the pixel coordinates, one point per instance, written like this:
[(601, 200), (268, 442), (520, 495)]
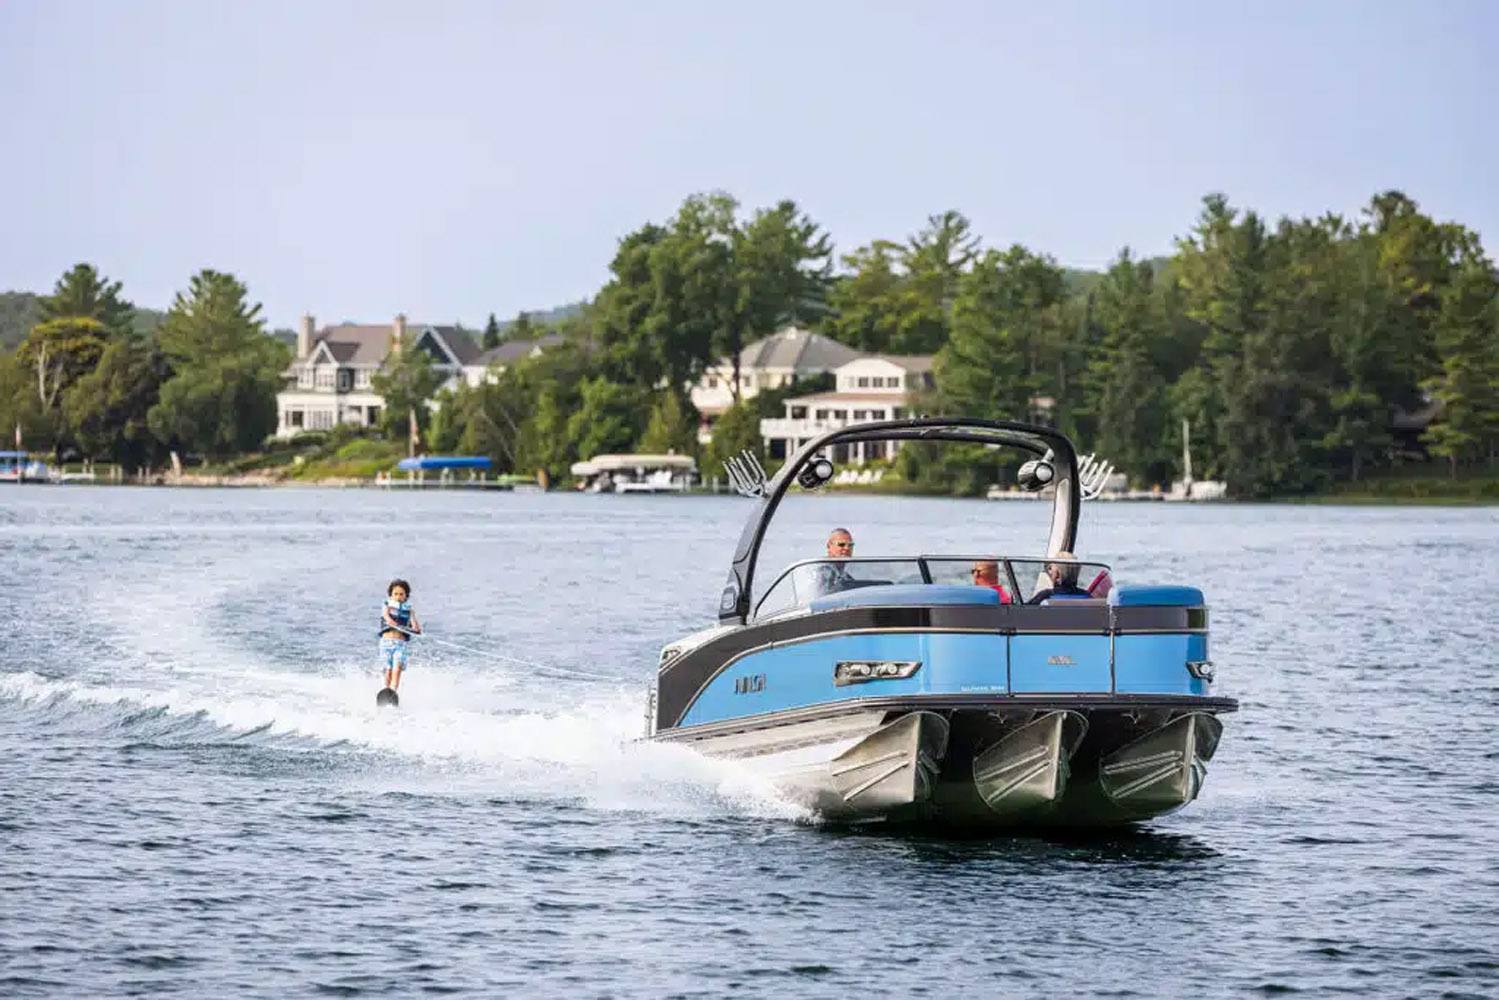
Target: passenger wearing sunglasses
[(985, 573)]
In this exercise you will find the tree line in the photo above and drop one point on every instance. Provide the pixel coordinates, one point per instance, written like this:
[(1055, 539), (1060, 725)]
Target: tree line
[(1288, 347), (84, 381)]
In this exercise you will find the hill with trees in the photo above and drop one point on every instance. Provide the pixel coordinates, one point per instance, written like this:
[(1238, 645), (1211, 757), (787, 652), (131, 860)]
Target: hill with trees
[(1291, 346)]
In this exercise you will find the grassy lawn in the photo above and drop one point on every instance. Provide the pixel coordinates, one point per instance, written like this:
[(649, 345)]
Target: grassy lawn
[(313, 456)]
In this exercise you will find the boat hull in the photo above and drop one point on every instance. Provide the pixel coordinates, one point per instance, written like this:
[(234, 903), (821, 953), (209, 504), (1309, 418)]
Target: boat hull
[(991, 766)]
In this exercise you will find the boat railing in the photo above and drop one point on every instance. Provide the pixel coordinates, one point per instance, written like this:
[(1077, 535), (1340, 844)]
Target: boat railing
[(1023, 576)]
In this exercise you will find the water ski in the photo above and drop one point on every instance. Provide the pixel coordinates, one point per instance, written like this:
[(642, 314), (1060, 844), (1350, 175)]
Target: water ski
[(387, 697)]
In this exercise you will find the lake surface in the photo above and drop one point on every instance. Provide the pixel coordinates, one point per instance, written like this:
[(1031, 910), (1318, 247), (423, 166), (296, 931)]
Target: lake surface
[(198, 798)]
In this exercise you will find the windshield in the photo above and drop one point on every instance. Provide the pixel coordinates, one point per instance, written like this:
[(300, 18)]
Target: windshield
[(1018, 581), (799, 585)]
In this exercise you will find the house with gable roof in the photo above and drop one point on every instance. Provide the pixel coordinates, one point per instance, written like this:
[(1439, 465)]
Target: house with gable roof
[(490, 365), (330, 382), (869, 387), (781, 359)]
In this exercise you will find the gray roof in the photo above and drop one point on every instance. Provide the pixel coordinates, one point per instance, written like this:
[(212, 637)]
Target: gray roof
[(458, 339), (512, 351), (797, 349), (356, 344), (369, 344)]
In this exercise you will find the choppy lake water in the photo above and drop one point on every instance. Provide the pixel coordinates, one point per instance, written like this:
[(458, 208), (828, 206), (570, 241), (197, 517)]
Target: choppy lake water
[(198, 798)]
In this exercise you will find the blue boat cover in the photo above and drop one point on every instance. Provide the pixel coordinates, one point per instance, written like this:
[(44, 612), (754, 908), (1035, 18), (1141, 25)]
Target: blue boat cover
[(443, 462), (1171, 597), (905, 595)]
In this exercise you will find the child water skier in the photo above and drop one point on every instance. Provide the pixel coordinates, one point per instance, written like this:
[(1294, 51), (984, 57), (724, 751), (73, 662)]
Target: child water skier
[(397, 625)]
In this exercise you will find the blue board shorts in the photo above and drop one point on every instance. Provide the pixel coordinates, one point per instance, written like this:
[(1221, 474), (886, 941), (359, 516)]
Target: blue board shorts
[(394, 653)]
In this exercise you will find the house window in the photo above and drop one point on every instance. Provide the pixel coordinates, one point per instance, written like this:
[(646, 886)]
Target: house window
[(822, 414), (840, 414), (747, 381), (713, 381), (304, 377), (320, 420), (324, 377), (798, 413), (372, 415), (345, 380), (294, 418), (863, 381), (362, 378)]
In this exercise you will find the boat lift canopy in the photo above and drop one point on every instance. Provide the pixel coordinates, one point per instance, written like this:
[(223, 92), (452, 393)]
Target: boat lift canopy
[(599, 464), (424, 463)]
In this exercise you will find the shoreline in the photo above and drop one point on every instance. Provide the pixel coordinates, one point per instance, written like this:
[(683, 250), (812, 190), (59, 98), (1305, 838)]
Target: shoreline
[(265, 481)]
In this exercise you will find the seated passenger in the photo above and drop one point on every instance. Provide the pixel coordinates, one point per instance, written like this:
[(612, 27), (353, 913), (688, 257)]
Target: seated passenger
[(985, 573), (1063, 576), (831, 578)]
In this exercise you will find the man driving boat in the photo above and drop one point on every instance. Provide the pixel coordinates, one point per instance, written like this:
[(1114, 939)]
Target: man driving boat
[(832, 577)]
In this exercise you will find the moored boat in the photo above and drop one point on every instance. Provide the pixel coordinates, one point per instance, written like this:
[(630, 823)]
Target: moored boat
[(894, 689)]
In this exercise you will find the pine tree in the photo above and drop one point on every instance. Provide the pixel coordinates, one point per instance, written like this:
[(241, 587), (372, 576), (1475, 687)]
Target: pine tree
[(1467, 385), (221, 398), (81, 293), (669, 428), (1126, 391)]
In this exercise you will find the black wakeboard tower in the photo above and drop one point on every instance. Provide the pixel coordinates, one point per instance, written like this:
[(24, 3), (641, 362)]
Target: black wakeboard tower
[(1054, 464)]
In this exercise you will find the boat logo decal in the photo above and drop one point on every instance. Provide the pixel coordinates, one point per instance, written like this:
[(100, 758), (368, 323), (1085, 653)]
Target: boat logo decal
[(847, 672), (749, 684), (1061, 661)]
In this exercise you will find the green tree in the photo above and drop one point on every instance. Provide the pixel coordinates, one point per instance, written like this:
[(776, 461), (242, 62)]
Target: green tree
[(736, 430), (901, 298), (81, 293), (221, 397), (697, 289), (108, 409), (1363, 385), (1005, 308), (607, 420), (625, 309), (867, 303), (491, 333), (1222, 270), (523, 328), (407, 381), (1467, 383), (1126, 391), (59, 352), (781, 268), (670, 427), (21, 412)]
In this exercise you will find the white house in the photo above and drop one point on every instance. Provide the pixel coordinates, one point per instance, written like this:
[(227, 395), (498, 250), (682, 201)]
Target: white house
[(329, 382), (784, 358), (869, 387), (492, 363)]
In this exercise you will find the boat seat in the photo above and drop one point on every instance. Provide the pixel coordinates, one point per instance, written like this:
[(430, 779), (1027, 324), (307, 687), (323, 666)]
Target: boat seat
[(1159, 596), (906, 595)]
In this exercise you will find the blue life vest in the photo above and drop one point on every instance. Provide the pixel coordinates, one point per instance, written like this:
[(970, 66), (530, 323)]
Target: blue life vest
[(400, 613)]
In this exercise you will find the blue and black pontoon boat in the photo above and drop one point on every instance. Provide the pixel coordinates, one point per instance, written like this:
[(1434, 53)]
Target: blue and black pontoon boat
[(895, 689)]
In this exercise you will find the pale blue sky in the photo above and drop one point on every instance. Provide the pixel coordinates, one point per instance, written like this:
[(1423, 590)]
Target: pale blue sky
[(449, 159)]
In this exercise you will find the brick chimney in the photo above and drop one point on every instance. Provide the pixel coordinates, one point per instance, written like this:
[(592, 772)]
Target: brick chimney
[(306, 328), (398, 329)]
